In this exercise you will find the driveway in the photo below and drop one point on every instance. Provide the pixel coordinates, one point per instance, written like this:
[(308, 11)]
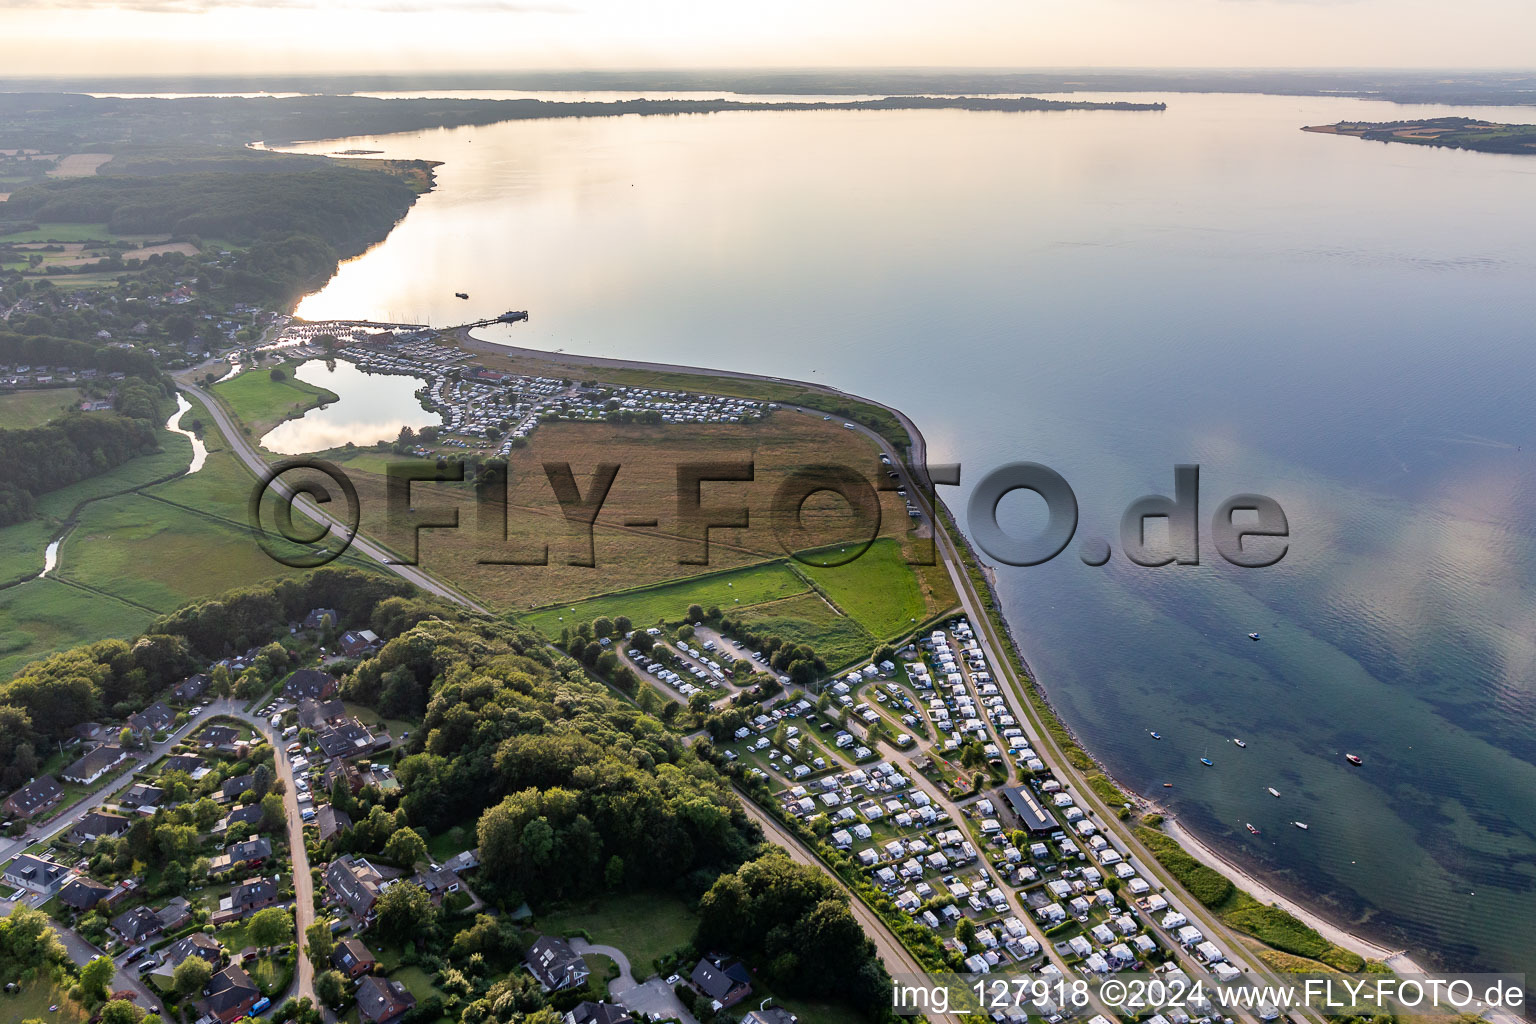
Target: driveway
[(656, 999), (625, 981)]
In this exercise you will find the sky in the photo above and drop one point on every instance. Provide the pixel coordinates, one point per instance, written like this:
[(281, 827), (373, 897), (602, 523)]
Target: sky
[(124, 37)]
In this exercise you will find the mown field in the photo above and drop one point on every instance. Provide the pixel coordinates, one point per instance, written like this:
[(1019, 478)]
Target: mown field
[(669, 602), (33, 1002), (644, 926), (260, 402), (645, 489), (22, 409), (878, 589)]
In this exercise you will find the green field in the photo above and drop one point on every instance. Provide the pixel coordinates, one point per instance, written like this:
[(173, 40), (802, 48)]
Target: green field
[(878, 589), (642, 925), (731, 591), (807, 619), (61, 232), (47, 615), (260, 402), (22, 409), (32, 1003)]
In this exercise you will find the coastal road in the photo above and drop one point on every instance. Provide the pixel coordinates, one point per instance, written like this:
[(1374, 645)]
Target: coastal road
[(258, 467)]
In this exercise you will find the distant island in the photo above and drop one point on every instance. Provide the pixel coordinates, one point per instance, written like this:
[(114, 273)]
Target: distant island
[(1455, 132)]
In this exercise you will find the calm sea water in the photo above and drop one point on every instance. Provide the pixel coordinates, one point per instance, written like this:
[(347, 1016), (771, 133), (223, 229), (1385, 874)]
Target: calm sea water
[(1345, 326)]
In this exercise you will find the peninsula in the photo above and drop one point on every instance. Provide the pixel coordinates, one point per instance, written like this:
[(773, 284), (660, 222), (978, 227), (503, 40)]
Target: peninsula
[(1454, 132)]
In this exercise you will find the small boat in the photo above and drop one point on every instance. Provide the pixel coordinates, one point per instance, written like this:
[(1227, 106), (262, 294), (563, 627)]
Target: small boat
[(1301, 825), (1250, 828), (1253, 636), (1156, 736), (1354, 759), (1239, 742), (1208, 762), (1167, 785), (461, 295), (1273, 791)]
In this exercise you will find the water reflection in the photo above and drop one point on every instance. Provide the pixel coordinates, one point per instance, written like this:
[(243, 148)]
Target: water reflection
[(371, 407)]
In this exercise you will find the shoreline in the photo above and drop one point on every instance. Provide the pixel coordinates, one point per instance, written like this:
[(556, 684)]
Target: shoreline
[(1399, 960)]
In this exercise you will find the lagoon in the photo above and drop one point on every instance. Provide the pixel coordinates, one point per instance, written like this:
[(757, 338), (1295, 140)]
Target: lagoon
[(371, 407)]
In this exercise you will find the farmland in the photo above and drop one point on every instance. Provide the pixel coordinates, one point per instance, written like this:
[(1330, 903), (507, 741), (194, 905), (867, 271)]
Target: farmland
[(22, 409)]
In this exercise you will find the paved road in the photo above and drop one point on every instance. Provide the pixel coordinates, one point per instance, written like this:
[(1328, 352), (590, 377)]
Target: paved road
[(258, 466), (72, 815), (626, 979)]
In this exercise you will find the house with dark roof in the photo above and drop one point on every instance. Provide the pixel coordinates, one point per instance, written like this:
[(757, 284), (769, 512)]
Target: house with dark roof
[(355, 884), (192, 688), (229, 994), (83, 893), (97, 824), (40, 795), (555, 965), (314, 714), (196, 944), (352, 958), (95, 764), (438, 881), (349, 738), (189, 763), (1028, 810), (381, 1001), (235, 788), (724, 982), (36, 874), (355, 643), (137, 924), (174, 914), (245, 814), (249, 896), (158, 717), (336, 768), (588, 1012), (141, 797), (219, 737), (320, 618), (770, 1015), (310, 683), (248, 854), (332, 822)]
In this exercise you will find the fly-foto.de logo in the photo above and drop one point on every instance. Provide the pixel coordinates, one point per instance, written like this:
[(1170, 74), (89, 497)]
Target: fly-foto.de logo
[(1247, 530)]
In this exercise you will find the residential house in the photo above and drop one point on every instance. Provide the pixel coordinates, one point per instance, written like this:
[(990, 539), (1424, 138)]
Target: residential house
[(156, 718), (245, 814), (95, 764), (356, 884), (248, 854), (588, 1012), (196, 944), (352, 958), (349, 738), (36, 874), (555, 965), (459, 863), (234, 788), (83, 893), (438, 881), (381, 1001), (356, 642), (314, 714), (249, 896), (770, 1015), (321, 618), (137, 924), (189, 763), (141, 797), (310, 683), (97, 824), (339, 769), (219, 737), (175, 914), (36, 797), (726, 983), (192, 688), (229, 995), (332, 822)]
